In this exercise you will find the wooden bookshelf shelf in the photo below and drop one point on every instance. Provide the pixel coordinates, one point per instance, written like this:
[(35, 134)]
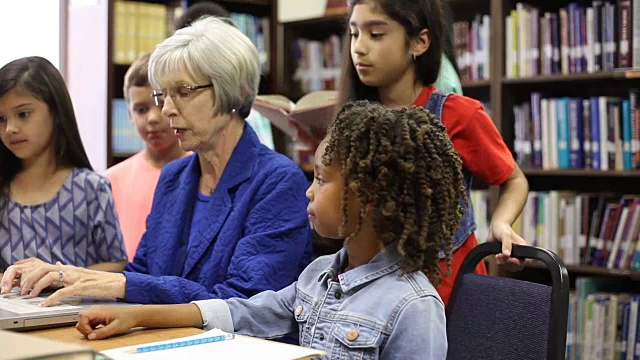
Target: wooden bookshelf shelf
[(247, 2), (342, 11), (122, 155), (338, 18), (582, 77), (164, 2), (632, 74), (591, 270), (582, 173), (224, 3), (476, 84), (468, 2)]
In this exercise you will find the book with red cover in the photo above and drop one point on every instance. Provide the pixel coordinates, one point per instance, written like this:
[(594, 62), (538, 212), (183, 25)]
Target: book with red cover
[(316, 110)]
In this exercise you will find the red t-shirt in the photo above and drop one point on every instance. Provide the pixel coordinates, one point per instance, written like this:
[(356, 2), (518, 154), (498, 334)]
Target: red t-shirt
[(474, 136), (483, 152)]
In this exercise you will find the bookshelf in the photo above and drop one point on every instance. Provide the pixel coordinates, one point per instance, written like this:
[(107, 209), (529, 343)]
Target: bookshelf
[(573, 78), (320, 30), (476, 84), (583, 173), (314, 33), (575, 186), (592, 271), (117, 68), (501, 91), (303, 46), (473, 45)]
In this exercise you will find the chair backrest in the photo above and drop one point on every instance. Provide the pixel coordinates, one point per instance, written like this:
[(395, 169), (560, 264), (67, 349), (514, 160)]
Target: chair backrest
[(492, 317)]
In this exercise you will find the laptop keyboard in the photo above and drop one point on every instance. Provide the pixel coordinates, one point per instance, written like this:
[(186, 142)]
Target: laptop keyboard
[(15, 303)]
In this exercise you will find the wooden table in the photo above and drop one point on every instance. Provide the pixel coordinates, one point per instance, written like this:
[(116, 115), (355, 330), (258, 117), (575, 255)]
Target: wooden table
[(134, 337), (141, 336)]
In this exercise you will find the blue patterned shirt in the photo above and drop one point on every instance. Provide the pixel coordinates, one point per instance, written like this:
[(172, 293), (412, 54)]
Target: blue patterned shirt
[(78, 226)]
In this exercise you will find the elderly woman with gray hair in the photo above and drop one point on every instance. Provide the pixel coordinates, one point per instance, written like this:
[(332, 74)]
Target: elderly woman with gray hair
[(229, 220)]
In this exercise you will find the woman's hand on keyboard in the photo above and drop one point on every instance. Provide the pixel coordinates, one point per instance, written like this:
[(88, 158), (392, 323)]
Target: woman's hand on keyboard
[(36, 275), (83, 282), (15, 274)]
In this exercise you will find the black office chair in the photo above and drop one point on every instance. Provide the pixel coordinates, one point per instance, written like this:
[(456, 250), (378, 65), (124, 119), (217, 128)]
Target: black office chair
[(491, 317)]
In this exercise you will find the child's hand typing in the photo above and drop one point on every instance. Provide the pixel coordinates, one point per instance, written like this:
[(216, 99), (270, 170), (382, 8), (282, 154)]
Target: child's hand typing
[(100, 322), (504, 233)]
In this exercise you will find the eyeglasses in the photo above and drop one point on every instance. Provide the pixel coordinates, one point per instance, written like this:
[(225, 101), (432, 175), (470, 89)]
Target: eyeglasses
[(178, 91)]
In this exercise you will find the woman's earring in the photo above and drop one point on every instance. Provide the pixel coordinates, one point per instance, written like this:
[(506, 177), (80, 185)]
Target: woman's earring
[(233, 111), (414, 57)]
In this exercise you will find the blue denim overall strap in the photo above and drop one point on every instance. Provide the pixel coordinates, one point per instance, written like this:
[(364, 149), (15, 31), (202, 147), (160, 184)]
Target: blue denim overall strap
[(468, 223)]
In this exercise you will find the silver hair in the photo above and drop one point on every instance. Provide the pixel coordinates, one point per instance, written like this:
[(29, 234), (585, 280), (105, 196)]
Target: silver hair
[(211, 50)]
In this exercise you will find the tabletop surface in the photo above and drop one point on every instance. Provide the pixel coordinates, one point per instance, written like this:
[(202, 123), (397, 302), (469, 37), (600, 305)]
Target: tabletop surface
[(134, 337)]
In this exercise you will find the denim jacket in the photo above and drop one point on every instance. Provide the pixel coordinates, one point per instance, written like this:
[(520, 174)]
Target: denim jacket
[(374, 311), (468, 223)]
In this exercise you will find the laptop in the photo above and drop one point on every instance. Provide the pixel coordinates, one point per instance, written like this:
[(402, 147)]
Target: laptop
[(24, 313)]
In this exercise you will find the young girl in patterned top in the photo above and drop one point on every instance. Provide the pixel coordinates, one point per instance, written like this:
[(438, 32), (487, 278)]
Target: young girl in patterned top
[(53, 207), (387, 186)]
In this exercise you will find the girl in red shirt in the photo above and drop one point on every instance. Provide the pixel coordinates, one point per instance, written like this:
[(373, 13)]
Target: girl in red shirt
[(395, 51)]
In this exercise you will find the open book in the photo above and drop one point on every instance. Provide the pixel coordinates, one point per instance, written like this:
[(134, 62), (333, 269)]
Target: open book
[(221, 345), (314, 110)]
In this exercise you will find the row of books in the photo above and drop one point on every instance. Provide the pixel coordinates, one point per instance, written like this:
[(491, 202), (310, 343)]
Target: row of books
[(124, 134), (318, 63), (584, 229), (257, 30), (471, 43), (603, 320), (576, 39), (600, 132), (139, 26)]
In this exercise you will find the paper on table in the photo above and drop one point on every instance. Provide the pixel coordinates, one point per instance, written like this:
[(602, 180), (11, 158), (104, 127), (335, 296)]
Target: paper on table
[(241, 347)]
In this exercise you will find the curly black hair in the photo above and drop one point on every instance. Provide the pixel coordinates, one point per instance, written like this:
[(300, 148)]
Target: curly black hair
[(402, 163)]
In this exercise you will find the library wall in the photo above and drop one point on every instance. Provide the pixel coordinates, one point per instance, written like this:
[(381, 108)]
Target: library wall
[(72, 35), (87, 77), (28, 40)]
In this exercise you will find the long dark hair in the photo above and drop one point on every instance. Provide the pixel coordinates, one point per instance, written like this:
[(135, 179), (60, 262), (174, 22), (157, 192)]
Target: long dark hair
[(39, 78), (414, 16)]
